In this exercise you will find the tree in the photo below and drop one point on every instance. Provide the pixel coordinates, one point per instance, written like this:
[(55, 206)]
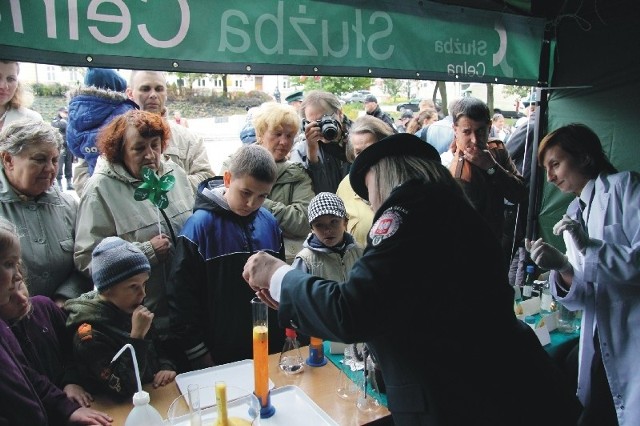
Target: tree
[(442, 88), (490, 96), (335, 85), (393, 87), (520, 91)]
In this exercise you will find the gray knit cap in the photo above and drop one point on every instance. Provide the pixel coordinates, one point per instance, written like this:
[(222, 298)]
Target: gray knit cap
[(115, 260), (326, 203)]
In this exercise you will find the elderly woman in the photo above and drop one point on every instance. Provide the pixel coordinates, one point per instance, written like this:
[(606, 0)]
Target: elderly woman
[(45, 217), (276, 127), (108, 207), (14, 98)]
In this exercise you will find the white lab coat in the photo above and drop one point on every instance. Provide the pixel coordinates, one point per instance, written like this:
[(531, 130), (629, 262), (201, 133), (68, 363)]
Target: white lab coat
[(606, 286)]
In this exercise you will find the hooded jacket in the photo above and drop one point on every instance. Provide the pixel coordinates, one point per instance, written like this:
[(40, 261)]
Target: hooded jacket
[(288, 201), (90, 109), (208, 298), (100, 329), (335, 263)]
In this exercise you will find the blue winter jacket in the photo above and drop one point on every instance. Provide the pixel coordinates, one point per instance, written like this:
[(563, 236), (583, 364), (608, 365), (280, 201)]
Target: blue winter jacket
[(90, 109), (209, 301)]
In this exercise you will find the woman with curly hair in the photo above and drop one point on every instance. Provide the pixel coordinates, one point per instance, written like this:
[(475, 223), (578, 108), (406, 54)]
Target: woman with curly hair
[(131, 141)]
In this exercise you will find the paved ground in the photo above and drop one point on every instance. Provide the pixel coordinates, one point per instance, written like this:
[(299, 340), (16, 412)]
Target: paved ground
[(221, 136)]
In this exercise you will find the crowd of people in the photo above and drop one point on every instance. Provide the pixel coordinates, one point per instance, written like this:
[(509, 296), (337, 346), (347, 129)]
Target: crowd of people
[(318, 216)]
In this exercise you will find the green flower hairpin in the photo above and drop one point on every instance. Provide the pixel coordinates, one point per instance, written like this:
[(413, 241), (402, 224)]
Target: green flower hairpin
[(154, 188)]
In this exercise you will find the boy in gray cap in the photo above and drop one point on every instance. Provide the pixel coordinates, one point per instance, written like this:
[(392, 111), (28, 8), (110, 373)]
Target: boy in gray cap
[(104, 320)]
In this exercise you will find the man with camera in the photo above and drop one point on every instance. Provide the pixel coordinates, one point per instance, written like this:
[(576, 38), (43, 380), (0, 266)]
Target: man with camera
[(322, 150)]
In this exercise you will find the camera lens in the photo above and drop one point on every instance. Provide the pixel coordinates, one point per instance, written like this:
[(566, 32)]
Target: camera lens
[(329, 131), (328, 127)]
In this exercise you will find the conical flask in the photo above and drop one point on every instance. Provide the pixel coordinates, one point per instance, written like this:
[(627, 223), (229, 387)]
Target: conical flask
[(291, 360)]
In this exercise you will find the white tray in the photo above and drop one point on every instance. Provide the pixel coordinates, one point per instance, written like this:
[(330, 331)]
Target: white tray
[(239, 374), (294, 407)]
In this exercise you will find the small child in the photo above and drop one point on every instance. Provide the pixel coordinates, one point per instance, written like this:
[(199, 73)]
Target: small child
[(104, 320), (38, 324), (329, 251), (209, 301), (26, 396)]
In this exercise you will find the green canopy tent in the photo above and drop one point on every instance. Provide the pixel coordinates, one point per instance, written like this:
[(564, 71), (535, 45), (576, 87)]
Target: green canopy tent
[(585, 50)]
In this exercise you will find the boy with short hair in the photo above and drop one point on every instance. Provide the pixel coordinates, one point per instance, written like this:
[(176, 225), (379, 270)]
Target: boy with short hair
[(104, 320), (209, 301)]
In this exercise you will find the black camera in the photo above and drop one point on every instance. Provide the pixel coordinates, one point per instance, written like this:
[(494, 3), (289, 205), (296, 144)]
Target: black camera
[(328, 126)]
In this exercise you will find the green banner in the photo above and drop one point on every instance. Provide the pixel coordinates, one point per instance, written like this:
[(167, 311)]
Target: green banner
[(378, 38)]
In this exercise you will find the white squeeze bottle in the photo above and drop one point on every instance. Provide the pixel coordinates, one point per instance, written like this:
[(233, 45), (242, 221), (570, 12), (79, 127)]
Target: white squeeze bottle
[(143, 413)]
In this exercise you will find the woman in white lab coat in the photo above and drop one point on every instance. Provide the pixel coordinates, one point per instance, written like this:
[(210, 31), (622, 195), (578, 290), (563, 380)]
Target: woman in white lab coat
[(600, 273)]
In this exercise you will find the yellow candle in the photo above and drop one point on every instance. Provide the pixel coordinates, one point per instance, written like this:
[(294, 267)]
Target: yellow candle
[(221, 401), (261, 362)]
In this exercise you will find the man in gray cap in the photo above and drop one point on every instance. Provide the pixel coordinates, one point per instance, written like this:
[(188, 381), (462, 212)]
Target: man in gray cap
[(371, 107)]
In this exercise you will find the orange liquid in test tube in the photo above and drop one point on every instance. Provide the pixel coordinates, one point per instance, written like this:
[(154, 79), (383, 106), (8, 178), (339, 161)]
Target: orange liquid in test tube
[(261, 362)]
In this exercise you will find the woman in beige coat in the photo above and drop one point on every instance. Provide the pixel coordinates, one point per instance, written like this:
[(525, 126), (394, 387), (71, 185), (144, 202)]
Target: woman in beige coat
[(108, 208)]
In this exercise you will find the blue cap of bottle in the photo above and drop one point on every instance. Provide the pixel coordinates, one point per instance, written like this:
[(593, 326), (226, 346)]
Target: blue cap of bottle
[(531, 269)]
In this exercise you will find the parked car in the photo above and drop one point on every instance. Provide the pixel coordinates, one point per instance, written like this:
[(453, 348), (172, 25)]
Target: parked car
[(412, 104), (508, 114), (357, 96)]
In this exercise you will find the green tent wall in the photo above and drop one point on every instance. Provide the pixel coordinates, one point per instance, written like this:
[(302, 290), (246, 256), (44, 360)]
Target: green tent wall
[(600, 56)]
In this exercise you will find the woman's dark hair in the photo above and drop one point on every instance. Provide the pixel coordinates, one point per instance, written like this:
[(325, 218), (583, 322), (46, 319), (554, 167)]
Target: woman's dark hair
[(582, 144), (110, 139)]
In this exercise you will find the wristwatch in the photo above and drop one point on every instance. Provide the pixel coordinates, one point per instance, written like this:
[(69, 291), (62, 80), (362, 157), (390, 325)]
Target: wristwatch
[(491, 170)]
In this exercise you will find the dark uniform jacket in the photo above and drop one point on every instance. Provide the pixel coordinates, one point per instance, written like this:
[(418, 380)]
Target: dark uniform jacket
[(100, 329), (440, 322), (209, 301)]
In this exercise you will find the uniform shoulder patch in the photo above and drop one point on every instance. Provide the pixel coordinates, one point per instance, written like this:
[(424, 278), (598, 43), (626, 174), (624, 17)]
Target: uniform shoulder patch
[(385, 227)]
